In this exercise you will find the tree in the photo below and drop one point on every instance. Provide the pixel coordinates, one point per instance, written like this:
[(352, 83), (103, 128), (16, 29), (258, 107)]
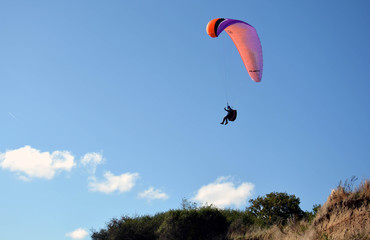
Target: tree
[(276, 208)]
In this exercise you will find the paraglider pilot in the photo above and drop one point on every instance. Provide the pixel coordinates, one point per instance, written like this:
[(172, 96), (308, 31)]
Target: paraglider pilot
[(231, 115)]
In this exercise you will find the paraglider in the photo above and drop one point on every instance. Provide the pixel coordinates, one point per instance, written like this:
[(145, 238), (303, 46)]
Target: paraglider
[(231, 115), (248, 44)]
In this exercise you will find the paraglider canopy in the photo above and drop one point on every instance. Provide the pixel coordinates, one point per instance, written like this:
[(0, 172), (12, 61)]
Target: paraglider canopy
[(246, 41)]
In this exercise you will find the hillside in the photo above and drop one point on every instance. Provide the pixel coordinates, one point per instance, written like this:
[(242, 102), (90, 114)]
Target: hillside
[(344, 216)]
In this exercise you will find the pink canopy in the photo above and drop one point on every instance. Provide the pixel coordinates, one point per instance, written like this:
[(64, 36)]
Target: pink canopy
[(246, 41)]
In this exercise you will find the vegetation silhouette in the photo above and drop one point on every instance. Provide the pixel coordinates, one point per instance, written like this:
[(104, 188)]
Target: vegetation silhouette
[(200, 222), (273, 216)]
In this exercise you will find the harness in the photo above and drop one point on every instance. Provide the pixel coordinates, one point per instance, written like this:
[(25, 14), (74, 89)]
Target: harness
[(232, 116)]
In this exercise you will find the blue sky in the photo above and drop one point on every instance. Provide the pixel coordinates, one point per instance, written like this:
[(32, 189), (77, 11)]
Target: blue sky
[(111, 108)]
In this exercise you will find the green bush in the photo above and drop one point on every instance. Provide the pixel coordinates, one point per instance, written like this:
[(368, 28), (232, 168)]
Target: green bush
[(238, 221), (202, 223), (309, 216), (276, 208), (138, 228)]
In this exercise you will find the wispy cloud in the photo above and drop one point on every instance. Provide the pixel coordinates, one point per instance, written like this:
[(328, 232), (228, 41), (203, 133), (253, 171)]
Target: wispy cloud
[(223, 193), (91, 161), (30, 163), (153, 194), (122, 183), (14, 117), (79, 233)]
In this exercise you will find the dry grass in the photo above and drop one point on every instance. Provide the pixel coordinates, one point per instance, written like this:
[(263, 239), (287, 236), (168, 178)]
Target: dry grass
[(347, 192), (345, 215), (292, 231), (345, 197)]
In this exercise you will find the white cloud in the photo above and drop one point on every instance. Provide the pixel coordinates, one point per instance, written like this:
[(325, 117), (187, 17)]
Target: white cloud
[(92, 160), (79, 233), (122, 183), (153, 194), (223, 193), (30, 163)]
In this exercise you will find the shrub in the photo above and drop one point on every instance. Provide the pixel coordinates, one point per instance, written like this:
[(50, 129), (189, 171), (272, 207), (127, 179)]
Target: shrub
[(202, 223), (137, 228), (276, 208)]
